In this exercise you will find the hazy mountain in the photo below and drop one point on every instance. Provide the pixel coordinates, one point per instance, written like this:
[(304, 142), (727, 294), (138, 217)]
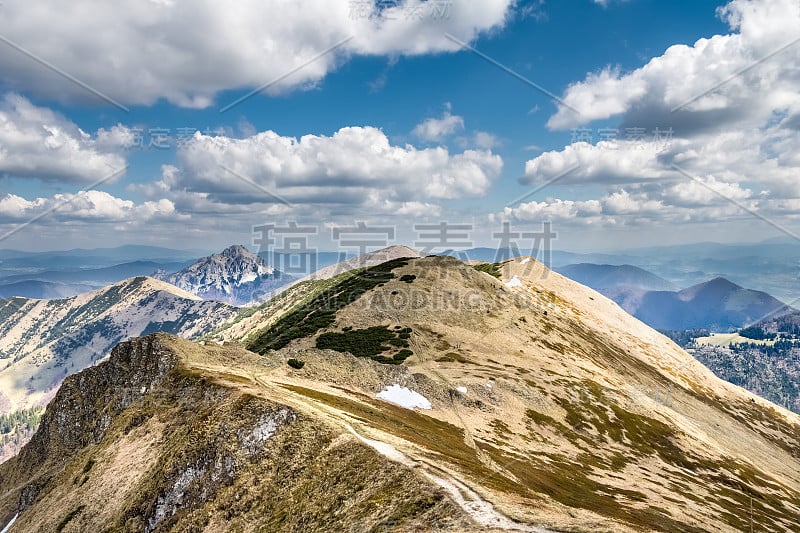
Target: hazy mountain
[(718, 305), (607, 276), (97, 276), (421, 393), (42, 289), (43, 341), (558, 257), (81, 257), (236, 276)]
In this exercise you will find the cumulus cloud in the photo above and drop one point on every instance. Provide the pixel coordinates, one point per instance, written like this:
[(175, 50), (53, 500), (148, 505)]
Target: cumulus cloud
[(85, 206), (605, 162), (36, 142), (725, 77), (731, 148), (436, 129), (186, 51), (678, 203), (356, 166)]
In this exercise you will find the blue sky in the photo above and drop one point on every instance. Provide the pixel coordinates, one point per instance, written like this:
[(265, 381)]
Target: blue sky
[(404, 125)]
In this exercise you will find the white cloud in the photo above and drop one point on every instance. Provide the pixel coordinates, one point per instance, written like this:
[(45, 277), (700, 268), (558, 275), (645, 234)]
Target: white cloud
[(677, 203), (86, 206), (739, 144), (744, 83), (35, 142), (605, 162), (356, 166), (436, 129), (187, 51), (486, 140)]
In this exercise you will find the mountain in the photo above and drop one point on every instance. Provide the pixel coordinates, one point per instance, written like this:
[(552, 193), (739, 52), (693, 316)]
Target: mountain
[(42, 290), (97, 276), (82, 257), (41, 342), (718, 305), (364, 260), (235, 276), (601, 277), (418, 394), (253, 319), (763, 358)]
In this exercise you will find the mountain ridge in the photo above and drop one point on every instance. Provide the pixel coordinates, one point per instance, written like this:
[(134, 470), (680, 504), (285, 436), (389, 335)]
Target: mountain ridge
[(235, 276), (717, 304), (607, 276), (547, 407), (42, 341)]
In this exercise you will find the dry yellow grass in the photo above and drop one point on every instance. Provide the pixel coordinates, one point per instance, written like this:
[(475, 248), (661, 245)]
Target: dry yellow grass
[(552, 409)]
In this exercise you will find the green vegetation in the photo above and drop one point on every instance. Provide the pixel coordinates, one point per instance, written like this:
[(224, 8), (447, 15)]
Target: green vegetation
[(67, 519), (755, 333), (369, 342), (454, 357), (320, 311), (17, 428), (408, 278), (296, 363), (402, 355), (88, 466), (493, 269), (684, 338), (20, 420)]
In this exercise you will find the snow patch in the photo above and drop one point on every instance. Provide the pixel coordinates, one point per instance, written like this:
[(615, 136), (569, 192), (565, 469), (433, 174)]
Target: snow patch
[(8, 526), (525, 261), (404, 397), (462, 390), (515, 282), (247, 278), (387, 450)]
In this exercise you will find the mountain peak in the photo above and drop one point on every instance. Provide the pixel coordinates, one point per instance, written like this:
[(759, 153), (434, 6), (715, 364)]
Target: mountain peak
[(238, 250), (396, 251), (236, 276), (719, 281)]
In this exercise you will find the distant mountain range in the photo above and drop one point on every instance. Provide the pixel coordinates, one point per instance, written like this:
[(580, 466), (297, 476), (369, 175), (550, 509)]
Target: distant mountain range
[(235, 276), (94, 257), (601, 277), (769, 266), (41, 342), (43, 290), (97, 276), (718, 305)]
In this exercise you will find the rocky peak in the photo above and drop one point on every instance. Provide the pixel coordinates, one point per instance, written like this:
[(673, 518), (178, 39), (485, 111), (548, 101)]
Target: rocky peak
[(239, 251), (236, 276), (85, 403)]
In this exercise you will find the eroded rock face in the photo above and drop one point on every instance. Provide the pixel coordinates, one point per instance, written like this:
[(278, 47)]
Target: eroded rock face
[(144, 442), (82, 410)]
